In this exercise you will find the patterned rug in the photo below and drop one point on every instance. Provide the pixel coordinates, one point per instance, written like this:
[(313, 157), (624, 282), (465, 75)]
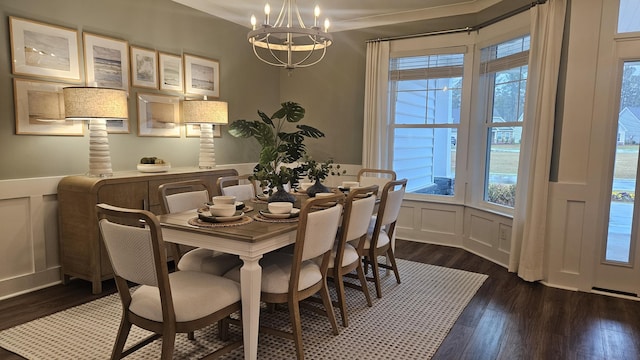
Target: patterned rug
[(408, 322)]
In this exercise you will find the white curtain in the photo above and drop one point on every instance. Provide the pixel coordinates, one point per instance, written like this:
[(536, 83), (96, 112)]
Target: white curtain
[(375, 143), (530, 218)]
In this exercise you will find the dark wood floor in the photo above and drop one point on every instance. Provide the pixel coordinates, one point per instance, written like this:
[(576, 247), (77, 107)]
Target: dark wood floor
[(507, 319)]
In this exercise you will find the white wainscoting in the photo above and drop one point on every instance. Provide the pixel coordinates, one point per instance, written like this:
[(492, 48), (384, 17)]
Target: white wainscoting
[(29, 223), (29, 239)]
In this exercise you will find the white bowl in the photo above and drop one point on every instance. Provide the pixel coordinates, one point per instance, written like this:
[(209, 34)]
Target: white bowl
[(280, 207), (222, 209), (224, 199), (350, 184)]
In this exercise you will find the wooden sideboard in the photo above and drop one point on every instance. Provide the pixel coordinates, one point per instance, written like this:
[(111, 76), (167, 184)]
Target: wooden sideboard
[(82, 254)]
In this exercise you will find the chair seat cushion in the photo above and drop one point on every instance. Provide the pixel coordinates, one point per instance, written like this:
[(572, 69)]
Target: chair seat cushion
[(383, 239), (276, 271), (208, 261), (195, 295), (350, 256)]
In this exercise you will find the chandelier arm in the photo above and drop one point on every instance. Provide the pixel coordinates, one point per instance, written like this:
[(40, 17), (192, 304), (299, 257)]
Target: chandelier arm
[(324, 51), (280, 20), (276, 57), (306, 57), (285, 42)]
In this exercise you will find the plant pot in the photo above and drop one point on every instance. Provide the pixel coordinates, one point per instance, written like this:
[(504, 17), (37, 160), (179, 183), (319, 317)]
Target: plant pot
[(317, 188), (281, 196)]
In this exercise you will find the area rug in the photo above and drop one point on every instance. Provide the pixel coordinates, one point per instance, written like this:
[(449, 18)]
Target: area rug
[(409, 322)]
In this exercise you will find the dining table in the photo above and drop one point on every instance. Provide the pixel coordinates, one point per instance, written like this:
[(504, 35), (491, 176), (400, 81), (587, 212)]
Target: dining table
[(249, 240)]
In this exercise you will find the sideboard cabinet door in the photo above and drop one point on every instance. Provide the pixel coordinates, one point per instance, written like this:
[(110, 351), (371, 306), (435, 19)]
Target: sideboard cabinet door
[(82, 254)]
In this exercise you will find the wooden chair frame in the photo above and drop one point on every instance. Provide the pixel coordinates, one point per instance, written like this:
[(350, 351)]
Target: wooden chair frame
[(293, 297), (225, 181), (370, 255), (168, 328), (340, 270), (171, 188)]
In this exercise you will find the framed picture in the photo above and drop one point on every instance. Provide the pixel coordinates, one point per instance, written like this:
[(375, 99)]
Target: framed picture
[(144, 68), (117, 126), (171, 74), (193, 130), (106, 61), (39, 107), (158, 115), (39, 49), (201, 76)]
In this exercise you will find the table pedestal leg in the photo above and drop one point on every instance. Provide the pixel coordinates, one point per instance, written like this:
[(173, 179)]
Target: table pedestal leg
[(250, 278)]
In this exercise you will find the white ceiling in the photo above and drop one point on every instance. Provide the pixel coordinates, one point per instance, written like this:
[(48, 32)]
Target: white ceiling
[(344, 14)]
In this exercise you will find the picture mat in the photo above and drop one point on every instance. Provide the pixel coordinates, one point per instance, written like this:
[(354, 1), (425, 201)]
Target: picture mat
[(171, 72), (107, 62), (39, 109), (44, 50), (144, 68), (202, 76), (158, 115)]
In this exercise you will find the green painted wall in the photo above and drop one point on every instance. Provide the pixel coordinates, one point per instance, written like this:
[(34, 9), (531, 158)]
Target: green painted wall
[(332, 92), (246, 83)]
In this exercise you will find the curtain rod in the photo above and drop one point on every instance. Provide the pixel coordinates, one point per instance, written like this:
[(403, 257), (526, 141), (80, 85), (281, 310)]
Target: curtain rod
[(467, 29)]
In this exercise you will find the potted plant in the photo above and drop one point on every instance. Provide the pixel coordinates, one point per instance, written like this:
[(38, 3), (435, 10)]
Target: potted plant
[(318, 171), (280, 146)]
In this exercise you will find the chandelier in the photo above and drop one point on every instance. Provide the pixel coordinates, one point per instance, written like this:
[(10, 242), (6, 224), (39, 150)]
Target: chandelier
[(288, 43)]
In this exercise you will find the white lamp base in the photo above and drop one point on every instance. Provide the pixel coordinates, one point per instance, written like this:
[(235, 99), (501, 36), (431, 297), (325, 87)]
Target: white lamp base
[(99, 156), (207, 159)]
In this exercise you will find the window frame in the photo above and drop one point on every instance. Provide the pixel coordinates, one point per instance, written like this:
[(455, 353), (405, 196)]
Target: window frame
[(435, 45)]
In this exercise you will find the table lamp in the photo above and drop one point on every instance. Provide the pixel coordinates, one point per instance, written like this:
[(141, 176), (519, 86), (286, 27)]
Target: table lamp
[(97, 105), (206, 113)]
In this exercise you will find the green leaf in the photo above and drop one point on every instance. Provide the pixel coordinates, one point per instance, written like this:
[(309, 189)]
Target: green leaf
[(310, 131), (263, 133), (265, 118), (293, 111), (241, 128)]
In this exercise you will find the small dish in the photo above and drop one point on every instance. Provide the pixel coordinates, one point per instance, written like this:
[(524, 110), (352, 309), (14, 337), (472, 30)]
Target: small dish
[(294, 212), (153, 168), (206, 216), (263, 197), (239, 205)]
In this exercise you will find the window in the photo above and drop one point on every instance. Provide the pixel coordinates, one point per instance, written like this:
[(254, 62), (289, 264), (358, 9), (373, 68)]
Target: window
[(628, 16), (426, 92), (502, 88)]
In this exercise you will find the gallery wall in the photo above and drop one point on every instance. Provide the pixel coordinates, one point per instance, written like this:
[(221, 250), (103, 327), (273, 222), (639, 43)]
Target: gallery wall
[(245, 83)]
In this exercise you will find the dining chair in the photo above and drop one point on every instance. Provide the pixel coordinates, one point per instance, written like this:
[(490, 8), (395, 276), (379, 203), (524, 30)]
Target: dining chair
[(356, 217), (288, 278), (187, 195), (380, 177), (164, 303), (239, 186), (379, 238)]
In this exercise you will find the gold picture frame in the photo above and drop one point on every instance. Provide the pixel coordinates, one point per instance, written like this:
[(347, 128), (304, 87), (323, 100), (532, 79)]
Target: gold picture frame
[(106, 61), (171, 72), (144, 67), (201, 76), (158, 115), (39, 49), (39, 109)]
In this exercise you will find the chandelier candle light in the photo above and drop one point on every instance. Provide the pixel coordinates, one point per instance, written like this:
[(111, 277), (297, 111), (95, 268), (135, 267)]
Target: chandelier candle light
[(97, 105), (288, 43), (206, 113)]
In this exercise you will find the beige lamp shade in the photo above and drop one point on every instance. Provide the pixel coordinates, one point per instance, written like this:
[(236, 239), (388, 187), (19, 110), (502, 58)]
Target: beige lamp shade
[(205, 112), (84, 103), (96, 105)]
